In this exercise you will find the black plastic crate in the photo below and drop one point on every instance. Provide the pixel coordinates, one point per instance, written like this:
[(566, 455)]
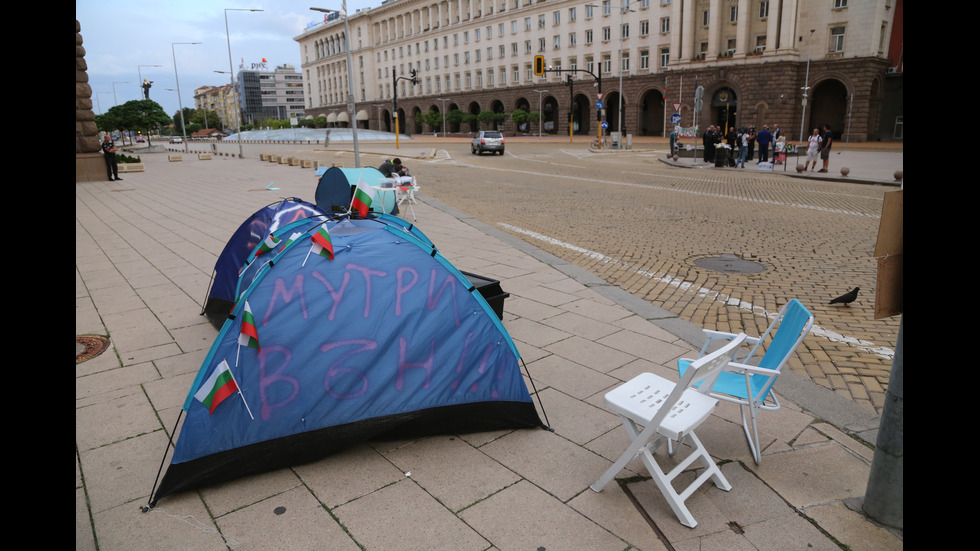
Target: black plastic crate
[(490, 290)]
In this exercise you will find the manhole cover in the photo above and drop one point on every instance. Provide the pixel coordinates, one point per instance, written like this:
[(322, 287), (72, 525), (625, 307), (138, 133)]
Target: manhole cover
[(89, 346), (729, 264)]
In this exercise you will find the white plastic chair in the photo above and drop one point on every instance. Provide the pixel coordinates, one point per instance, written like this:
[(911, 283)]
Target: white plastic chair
[(748, 382), (411, 186), (670, 412)]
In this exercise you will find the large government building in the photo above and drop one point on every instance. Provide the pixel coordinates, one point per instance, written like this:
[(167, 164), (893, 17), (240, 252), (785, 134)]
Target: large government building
[(630, 66)]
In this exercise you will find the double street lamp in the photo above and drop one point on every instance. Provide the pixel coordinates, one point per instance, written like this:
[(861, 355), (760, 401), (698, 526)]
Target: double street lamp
[(231, 76), (350, 78), (183, 125)]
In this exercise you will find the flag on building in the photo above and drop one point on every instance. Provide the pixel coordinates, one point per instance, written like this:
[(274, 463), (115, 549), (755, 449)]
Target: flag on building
[(220, 385), (321, 242), (292, 238), (267, 245), (363, 195), (249, 335)]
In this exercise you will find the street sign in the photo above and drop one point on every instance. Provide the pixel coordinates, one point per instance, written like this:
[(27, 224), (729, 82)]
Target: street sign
[(604, 125), (598, 105), (675, 118), (677, 106), (598, 95)]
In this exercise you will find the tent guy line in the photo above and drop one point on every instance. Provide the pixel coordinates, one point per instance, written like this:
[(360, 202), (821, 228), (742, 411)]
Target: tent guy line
[(832, 336)]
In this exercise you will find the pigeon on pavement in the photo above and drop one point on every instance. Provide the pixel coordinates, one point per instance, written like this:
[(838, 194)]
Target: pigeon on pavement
[(846, 298)]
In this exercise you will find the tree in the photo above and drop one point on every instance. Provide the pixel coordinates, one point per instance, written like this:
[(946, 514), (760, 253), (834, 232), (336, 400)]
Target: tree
[(456, 117), (432, 118), (491, 117), (522, 117), (144, 114)]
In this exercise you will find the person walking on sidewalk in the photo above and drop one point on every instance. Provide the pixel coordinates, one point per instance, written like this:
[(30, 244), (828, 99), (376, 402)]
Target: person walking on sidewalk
[(109, 154), (828, 140), (813, 150)]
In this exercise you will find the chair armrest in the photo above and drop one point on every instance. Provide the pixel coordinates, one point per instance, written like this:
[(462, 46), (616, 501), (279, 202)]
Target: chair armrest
[(715, 335), (740, 368)]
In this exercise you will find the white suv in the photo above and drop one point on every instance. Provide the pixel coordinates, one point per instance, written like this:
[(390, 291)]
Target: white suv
[(488, 140)]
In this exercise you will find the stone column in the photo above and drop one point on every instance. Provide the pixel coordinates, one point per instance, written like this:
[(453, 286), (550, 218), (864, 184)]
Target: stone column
[(89, 166)]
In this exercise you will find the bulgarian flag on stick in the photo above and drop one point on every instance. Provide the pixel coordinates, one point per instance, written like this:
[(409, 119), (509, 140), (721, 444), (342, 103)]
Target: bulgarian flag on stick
[(363, 195), (220, 385), (267, 245), (321, 244), (249, 335)]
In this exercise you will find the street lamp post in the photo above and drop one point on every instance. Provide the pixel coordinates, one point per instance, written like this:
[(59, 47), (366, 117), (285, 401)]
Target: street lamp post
[(443, 100), (231, 76), (540, 111), (180, 105), (115, 100), (350, 78), (622, 14), (806, 86)]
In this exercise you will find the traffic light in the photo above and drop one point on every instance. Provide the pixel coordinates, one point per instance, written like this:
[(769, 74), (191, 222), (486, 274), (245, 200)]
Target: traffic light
[(538, 65), (415, 78)]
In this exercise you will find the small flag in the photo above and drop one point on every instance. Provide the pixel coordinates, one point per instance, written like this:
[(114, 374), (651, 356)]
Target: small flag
[(321, 242), (249, 335), (220, 385), (267, 245), (363, 196), (264, 60), (292, 238)]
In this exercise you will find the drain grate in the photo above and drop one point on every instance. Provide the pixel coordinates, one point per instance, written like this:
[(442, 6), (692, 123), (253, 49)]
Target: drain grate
[(89, 346), (730, 264)]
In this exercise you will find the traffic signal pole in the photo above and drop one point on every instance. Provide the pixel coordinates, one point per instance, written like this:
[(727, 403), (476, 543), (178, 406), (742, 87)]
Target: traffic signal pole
[(540, 69)]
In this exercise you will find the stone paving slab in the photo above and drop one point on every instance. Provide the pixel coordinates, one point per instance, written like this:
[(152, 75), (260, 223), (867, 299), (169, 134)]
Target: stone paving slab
[(498, 490)]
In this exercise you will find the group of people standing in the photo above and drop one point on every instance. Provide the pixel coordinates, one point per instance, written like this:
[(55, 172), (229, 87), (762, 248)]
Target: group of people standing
[(744, 141)]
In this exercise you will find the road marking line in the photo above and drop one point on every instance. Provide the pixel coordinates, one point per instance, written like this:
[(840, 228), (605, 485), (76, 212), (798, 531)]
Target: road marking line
[(832, 336)]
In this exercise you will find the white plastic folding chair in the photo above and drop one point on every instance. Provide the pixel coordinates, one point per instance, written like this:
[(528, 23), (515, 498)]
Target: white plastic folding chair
[(405, 189), (670, 412), (748, 382)]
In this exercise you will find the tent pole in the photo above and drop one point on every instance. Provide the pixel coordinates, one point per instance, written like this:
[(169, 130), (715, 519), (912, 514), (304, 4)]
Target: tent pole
[(540, 403), (153, 502)]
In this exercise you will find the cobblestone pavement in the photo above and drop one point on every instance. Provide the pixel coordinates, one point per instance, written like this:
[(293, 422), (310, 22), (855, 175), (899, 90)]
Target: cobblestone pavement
[(648, 228), (644, 226)]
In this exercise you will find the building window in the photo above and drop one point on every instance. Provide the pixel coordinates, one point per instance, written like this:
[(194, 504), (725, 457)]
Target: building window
[(838, 4), (527, 23), (606, 7), (556, 18), (644, 27), (664, 25), (589, 64), (731, 47), (571, 39), (624, 30), (644, 59), (664, 56), (513, 26), (764, 9), (573, 64), (624, 65), (606, 34), (489, 77), (760, 44), (606, 64), (588, 36), (733, 14), (589, 9), (540, 20), (527, 46), (705, 18), (837, 39), (517, 74), (557, 42), (541, 44), (571, 15)]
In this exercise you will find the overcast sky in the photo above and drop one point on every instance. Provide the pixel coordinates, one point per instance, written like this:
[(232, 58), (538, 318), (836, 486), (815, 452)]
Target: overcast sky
[(121, 39)]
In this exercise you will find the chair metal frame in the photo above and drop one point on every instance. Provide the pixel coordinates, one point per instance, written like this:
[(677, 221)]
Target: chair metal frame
[(749, 382), (669, 412)]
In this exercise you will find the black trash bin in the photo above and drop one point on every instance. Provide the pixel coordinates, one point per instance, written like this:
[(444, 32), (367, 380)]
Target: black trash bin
[(490, 290), (721, 157)]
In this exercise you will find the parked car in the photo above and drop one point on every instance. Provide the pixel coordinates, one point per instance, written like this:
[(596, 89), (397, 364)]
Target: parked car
[(488, 140), (176, 139), (141, 139)]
